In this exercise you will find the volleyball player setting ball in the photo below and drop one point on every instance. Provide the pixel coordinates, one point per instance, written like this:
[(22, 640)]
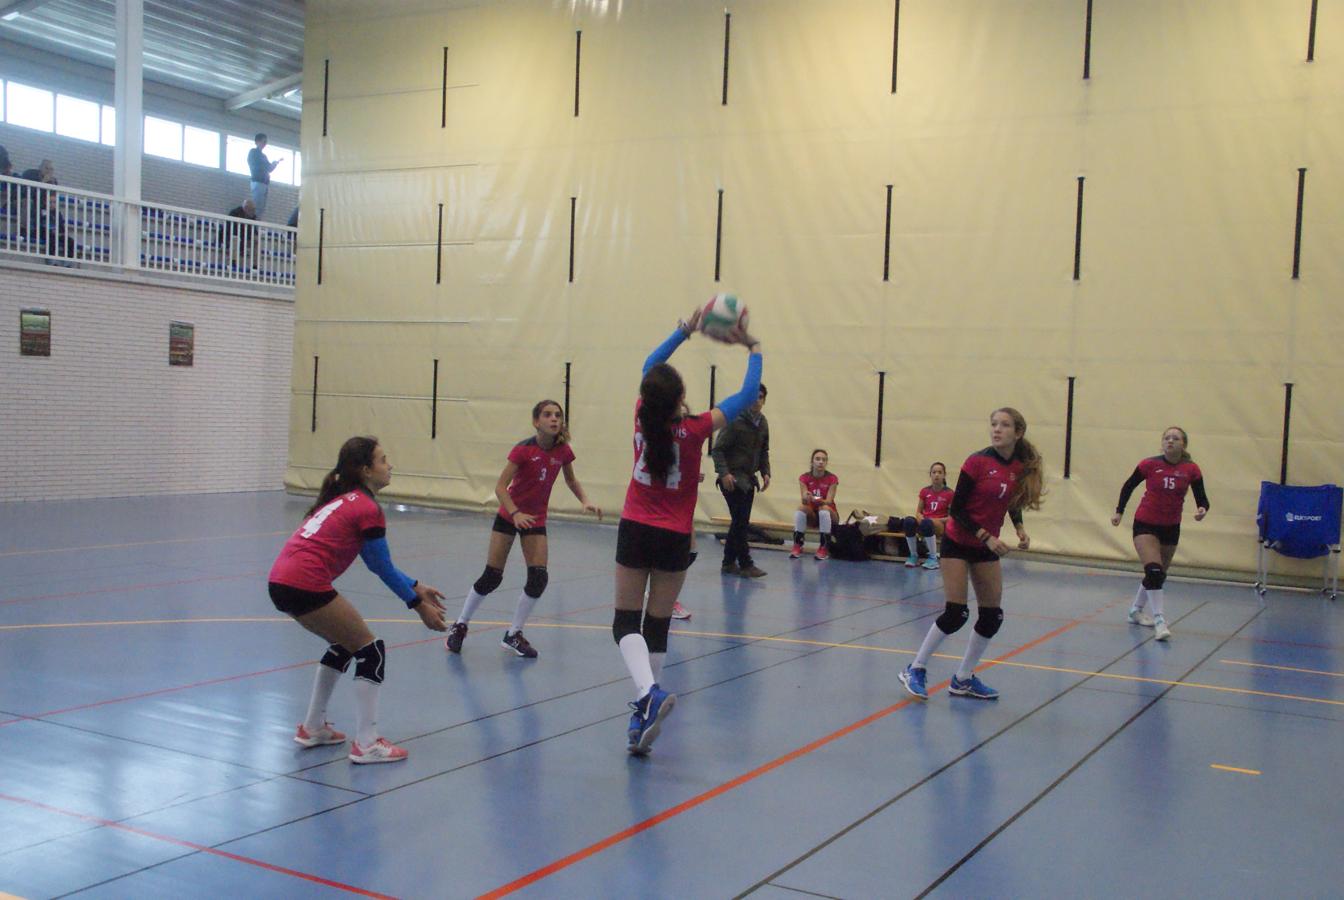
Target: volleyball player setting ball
[(653, 542), (346, 521), (1005, 477), (1157, 521), (524, 493)]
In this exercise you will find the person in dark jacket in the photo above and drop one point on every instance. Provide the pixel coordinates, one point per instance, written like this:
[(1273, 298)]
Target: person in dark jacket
[(742, 450)]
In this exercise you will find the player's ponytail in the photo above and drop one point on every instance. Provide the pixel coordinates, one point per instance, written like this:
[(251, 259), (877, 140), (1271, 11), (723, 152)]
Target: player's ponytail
[(660, 395), (356, 453), (1030, 487)]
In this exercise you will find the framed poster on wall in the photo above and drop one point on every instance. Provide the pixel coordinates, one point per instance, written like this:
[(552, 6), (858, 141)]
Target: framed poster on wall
[(35, 332), (181, 343)]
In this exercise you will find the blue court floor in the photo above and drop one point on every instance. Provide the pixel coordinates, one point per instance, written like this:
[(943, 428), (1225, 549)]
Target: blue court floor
[(150, 692)]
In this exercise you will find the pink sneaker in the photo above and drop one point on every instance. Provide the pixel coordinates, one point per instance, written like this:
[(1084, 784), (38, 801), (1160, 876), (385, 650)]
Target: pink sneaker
[(380, 751), (679, 611), (796, 552), (324, 735), (823, 553)]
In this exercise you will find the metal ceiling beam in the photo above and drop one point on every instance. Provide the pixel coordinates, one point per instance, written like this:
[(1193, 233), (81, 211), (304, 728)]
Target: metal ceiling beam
[(265, 92), (11, 8)]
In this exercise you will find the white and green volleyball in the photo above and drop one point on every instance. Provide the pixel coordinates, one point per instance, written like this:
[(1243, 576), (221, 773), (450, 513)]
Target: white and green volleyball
[(721, 315)]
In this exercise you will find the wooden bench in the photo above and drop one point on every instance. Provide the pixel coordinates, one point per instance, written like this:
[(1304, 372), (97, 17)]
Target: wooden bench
[(786, 529)]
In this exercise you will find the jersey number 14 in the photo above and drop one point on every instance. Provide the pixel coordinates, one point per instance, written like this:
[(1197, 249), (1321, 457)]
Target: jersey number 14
[(642, 474)]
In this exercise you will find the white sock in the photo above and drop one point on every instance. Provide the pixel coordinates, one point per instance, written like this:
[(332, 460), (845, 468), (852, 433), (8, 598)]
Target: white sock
[(799, 521), (932, 641), (1155, 603), (656, 665), (975, 648), (366, 712), (323, 684), (911, 546), (635, 652), (1140, 598), (931, 544), (824, 520), (469, 608), (523, 610)]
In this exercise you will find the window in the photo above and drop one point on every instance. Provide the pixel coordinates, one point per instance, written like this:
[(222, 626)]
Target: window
[(110, 126), (298, 168), (235, 154), (200, 147), (163, 138), (283, 173), (29, 107), (2, 101), (76, 118)]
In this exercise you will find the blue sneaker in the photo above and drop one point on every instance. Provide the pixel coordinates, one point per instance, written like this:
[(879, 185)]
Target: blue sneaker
[(911, 561), (972, 687), (931, 563), (635, 729), (651, 710), (913, 679)]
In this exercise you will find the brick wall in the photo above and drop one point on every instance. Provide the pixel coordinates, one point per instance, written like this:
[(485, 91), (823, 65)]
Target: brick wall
[(106, 416)]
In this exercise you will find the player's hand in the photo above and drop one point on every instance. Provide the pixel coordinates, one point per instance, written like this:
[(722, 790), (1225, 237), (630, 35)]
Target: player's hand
[(997, 546), (765, 482), (728, 481), (693, 320), (1200, 513), (522, 520), (1115, 519), (1023, 540), (595, 510), (430, 607)]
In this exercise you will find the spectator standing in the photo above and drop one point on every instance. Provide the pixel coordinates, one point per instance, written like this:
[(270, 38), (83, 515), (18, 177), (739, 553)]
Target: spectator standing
[(741, 451), (261, 169)]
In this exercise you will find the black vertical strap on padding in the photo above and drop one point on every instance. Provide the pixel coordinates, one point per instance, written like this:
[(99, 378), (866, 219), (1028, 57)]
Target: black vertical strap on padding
[(569, 417), (443, 100), (1087, 44), (1287, 415), (713, 371), (1078, 233), (578, 56), (326, 82), (895, 44), (886, 242), (1068, 431), (727, 28), (1297, 229), (321, 234), (438, 251), (573, 209), (881, 394), (314, 425), (1311, 34), (434, 405), (718, 237)]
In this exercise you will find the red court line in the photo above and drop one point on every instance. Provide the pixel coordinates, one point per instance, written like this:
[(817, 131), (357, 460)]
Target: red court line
[(700, 799), (108, 823)]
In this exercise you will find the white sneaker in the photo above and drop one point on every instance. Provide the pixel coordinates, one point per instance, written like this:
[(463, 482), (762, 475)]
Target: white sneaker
[(1141, 617), (322, 736), (1163, 632), (380, 751)]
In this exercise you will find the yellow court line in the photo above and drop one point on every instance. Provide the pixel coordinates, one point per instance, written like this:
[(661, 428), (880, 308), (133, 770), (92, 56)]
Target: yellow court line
[(220, 537), (754, 637), (1234, 769), (1237, 662)]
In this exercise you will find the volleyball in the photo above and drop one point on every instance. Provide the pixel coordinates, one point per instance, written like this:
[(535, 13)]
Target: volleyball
[(721, 315)]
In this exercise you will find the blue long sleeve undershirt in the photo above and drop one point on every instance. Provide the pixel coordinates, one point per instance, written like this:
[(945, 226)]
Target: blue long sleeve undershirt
[(734, 406), (378, 557), (663, 352)]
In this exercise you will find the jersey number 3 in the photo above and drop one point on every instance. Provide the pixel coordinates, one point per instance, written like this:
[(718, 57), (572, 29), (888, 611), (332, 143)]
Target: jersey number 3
[(641, 473)]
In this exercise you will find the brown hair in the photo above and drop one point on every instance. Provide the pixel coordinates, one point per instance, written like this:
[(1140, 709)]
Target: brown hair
[(356, 453), (563, 436), (1185, 439), (1030, 487)]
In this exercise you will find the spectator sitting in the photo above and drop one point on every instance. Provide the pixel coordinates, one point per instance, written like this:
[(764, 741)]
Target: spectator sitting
[(817, 505), (246, 233), (930, 518), (44, 219), (9, 206)]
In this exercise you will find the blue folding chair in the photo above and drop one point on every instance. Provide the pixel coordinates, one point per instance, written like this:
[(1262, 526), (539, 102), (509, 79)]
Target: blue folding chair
[(1302, 522)]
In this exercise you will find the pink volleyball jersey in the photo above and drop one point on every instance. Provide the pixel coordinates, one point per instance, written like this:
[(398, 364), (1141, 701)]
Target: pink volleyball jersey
[(669, 504), (817, 488), (538, 469), (936, 504), (1164, 490), (994, 481), (328, 541)]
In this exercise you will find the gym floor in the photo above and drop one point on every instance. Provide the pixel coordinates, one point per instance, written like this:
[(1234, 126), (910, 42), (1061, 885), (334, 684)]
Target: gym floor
[(150, 694)]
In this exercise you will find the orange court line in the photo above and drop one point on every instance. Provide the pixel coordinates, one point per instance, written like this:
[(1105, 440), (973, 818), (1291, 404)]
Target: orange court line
[(1234, 769)]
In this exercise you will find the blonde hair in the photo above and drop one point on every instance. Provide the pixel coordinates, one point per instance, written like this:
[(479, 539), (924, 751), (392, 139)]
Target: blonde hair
[(1030, 488), (1185, 440)]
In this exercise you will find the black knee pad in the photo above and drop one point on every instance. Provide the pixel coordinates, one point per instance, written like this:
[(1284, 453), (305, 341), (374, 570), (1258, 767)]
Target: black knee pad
[(625, 622), (369, 662), (954, 616), (1153, 576), (337, 657), (910, 526), (988, 622), (488, 581), (536, 581), (655, 633), (926, 528)]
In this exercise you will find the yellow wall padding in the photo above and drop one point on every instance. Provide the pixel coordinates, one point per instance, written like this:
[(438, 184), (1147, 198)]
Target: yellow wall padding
[(1188, 137)]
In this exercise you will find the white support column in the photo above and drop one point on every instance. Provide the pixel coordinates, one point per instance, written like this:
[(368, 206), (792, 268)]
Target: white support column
[(129, 100)]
